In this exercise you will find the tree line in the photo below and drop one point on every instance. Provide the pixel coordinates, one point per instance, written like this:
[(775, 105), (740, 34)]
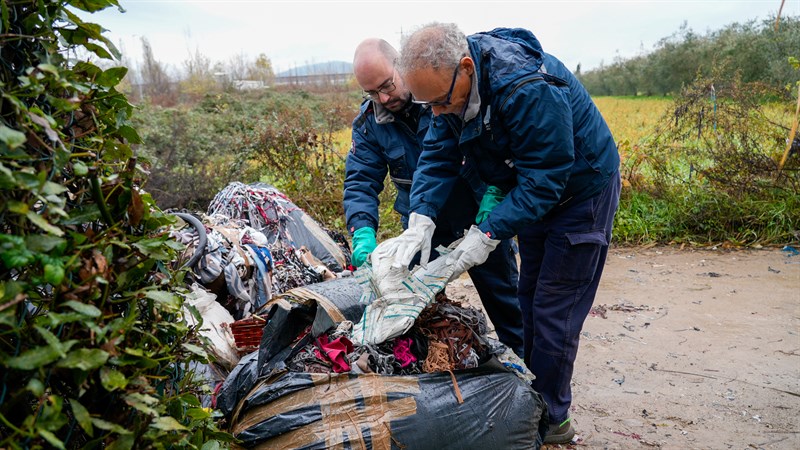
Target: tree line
[(756, 51)]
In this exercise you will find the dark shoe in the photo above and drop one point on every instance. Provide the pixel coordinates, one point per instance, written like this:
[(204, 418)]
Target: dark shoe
[(560, 433)]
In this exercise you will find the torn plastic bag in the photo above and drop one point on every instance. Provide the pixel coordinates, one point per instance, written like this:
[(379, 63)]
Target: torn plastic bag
[(293, 318), (479, 408)]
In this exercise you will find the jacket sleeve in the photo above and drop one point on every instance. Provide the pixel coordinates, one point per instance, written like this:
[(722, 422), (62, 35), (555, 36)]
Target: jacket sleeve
[(437, 169), (538, 120), (365, 171)]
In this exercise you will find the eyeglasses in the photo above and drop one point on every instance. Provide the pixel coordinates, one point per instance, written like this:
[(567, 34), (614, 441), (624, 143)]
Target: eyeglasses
[(386, 88), (446, 101)]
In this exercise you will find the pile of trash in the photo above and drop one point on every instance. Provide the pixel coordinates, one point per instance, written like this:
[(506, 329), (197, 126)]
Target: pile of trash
[(310, 355), (259, 244), (319, 381)]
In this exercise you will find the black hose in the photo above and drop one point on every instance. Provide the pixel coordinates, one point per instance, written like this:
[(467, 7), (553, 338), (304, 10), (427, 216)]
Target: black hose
[(201, 244)]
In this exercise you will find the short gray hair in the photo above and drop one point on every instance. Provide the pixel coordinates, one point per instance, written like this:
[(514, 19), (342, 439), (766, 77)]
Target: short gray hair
[(435, 45)]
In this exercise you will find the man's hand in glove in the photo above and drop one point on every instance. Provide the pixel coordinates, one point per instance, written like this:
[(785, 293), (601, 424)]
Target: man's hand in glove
[(471, 252), (363, 244), (491, 198), (417, 238)]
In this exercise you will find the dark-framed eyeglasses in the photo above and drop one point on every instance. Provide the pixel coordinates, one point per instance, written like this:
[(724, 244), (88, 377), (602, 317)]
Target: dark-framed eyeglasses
[(386, 88), (446, 101)]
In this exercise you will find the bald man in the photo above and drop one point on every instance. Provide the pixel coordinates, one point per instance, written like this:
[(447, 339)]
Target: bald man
[(387, 137)]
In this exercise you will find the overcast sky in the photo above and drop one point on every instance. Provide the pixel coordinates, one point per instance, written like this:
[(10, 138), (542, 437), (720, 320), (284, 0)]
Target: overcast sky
[(295, 33)]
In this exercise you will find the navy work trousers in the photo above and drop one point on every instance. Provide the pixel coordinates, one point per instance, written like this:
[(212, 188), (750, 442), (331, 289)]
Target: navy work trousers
[(562, 258)]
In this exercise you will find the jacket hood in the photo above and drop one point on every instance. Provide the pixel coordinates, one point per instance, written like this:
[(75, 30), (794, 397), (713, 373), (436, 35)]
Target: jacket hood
[(505, 54)]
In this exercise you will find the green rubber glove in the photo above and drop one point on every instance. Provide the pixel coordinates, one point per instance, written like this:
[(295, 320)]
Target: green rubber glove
[(491, 198), (363, 244)]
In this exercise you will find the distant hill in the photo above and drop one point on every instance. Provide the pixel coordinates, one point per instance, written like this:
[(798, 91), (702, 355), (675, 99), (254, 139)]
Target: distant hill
[(330, 67)]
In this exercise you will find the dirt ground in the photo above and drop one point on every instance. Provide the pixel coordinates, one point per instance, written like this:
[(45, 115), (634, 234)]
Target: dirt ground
[(688, 349)]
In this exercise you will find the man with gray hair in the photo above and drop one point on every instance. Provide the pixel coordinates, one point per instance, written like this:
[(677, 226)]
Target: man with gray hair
[(531, 129), (387, 137)]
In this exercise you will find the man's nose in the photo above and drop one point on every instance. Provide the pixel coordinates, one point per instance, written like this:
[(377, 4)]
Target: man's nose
[(384, 97)]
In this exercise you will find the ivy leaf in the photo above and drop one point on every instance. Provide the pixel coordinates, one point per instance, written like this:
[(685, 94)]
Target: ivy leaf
[(33, 358), (112, 379), (82, 416), (42, 223), (167, 423), (112, 76), (130, 134), (211, 445), (12, 138), (84, 359)]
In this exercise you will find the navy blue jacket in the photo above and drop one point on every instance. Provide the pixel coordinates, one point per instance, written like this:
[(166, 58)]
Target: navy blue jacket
[(383, 142), (537, 136)]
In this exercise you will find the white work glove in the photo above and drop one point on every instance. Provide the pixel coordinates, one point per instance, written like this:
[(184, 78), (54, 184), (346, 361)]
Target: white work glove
[(417, 238), (472, 251)]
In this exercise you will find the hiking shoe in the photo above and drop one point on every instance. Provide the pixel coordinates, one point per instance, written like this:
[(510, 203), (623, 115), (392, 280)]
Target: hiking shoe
[(560, 433)]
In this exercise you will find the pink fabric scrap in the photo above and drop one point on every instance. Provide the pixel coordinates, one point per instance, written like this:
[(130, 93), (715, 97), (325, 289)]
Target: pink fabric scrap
[(402, 351)]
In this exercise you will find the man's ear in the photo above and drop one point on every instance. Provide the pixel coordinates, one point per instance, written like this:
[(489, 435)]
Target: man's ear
[(468, 64)]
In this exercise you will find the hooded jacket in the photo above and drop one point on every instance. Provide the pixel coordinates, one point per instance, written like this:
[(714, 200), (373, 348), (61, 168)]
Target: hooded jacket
[(536, 135), (384, 142)]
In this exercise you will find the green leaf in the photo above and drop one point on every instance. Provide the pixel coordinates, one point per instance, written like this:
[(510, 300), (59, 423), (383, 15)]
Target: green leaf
[(42, 223), (4, 13), (142, 402), (197, 350), (153, 248), (123, 442), (108, 426), (112, 76), (6, 177), (98, 50), (82, 416), (198, 413), (165, 298), (84, 308), (51, 439), (12, 138), (130, 134), (83, 215), (84, 359), (43, 243), (53, 274), (50, 188), (211, 445), (167, 423), (112, 379), (79, 169), (33, 358), (52, 340), (114, 152), (36, 387)]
